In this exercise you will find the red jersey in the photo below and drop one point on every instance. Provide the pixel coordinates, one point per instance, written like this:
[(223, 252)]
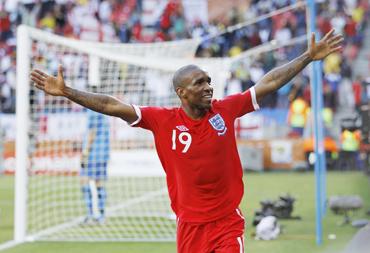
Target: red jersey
[(200, 157)]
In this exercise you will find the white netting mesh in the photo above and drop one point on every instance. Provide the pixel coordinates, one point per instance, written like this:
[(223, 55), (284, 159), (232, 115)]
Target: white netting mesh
[(137, 205)]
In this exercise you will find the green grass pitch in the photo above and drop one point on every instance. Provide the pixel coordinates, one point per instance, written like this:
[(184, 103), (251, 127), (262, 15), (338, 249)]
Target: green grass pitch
[(298, 235)]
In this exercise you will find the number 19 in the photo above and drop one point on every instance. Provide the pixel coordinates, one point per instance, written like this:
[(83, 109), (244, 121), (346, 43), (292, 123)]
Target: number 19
[(184, 138)]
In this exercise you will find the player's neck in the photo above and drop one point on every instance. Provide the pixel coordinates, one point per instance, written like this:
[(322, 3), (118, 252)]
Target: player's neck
[(194, 113)]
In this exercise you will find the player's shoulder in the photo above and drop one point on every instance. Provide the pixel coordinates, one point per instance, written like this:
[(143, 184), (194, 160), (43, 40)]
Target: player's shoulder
[(230, 101), (159, 110), (170, 111), (235, 97), (218, 106), (220, 103)]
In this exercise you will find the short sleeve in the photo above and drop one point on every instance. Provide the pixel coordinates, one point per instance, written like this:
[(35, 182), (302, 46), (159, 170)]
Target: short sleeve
[(241, 103), (148, 117)]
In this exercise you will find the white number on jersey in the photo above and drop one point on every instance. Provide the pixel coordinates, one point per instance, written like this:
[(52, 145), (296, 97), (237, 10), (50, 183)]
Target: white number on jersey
[(184, 138)]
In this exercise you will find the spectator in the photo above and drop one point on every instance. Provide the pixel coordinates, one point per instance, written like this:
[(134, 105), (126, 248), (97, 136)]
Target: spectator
[(350, 144), (5, 32), (297, 115), (284, 34), (338, 22), (60, 18), (48, 22), (332, 64), (29, 13), (346, 98), (234, 85), (105, 11), (357, 92)]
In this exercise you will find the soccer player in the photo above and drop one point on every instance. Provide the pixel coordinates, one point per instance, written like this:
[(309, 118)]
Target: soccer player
[(94, 161), (196, 144)]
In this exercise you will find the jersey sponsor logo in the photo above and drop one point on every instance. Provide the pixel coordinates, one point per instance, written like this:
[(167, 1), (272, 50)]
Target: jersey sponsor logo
[(182, 128), (218, 123)]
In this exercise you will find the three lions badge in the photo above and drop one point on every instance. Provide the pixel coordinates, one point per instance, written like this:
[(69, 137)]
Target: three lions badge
[(218, 123)]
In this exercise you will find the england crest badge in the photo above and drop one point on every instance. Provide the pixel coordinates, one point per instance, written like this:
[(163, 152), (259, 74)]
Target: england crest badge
[(218, 123)]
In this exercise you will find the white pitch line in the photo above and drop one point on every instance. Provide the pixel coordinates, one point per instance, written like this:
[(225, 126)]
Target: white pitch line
[(78, 220), (8, 244)]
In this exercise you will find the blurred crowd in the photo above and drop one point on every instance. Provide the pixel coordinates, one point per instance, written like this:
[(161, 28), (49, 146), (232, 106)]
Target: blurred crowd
[(341, 87), (119, 21)]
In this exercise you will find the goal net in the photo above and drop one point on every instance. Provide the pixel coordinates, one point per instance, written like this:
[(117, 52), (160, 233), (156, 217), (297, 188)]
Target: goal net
[(69, 197), (56, 198)]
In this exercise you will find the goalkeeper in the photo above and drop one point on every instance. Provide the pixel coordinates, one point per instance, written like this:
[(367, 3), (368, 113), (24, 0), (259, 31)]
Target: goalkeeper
[(94, 161), (196, 144)]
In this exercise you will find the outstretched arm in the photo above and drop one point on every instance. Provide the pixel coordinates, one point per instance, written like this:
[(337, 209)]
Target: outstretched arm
[(97, 102), (279, 76)]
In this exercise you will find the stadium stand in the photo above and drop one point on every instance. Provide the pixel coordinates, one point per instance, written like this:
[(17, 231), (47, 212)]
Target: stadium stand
[(119, 21)]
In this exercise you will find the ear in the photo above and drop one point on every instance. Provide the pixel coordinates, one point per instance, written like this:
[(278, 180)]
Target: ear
[(180, 91)]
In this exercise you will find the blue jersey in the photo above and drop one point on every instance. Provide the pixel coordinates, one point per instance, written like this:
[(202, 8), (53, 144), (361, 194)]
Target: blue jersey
[(99, 149)]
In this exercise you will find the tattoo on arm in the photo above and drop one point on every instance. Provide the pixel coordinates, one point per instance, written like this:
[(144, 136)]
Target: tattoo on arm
[(96, 102), (279, 76), (285, 73)]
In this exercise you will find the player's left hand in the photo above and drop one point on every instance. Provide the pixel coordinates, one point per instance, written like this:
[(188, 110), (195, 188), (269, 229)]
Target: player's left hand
[(330, 43)]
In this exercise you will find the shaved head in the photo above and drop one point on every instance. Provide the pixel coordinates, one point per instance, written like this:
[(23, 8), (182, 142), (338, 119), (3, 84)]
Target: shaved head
[(179, 78), (193, 86)]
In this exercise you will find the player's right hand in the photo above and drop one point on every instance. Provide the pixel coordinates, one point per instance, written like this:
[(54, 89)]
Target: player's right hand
[(51, 85)]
